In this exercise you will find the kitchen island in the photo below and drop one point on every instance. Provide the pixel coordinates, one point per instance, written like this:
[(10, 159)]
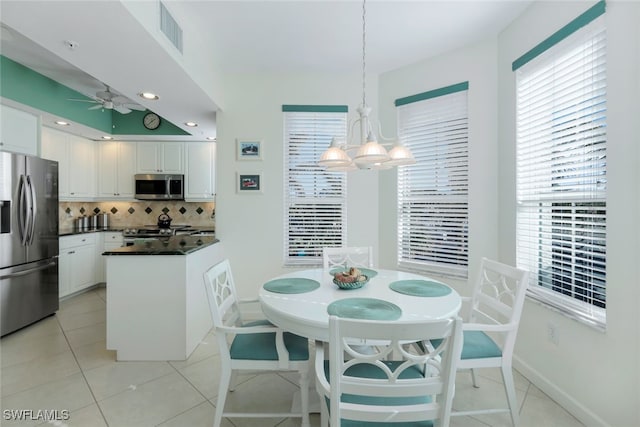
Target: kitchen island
[(157, 306)]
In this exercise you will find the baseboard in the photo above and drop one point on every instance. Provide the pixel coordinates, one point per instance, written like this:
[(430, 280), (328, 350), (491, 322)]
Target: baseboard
[(575, 408)]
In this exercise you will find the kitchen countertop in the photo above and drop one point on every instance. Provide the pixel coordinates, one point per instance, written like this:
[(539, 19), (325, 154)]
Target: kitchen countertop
[(73, 232), (174, 245)]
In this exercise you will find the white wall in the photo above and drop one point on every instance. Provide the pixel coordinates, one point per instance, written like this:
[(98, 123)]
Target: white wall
[(251, 225), (594, 375), (477, 65)]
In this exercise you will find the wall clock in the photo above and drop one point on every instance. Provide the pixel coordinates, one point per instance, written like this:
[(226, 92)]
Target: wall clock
[(151, 121)]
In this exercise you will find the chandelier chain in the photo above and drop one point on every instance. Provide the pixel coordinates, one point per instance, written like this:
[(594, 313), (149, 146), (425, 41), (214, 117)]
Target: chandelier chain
[(364, 42)]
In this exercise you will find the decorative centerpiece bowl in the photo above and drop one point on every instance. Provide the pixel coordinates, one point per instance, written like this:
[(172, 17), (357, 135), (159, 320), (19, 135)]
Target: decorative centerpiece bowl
[(350, 279)]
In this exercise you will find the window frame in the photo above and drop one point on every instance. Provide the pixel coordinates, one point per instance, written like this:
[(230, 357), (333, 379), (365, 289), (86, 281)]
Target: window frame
[(572, 216), (436, 121), (321, 122)]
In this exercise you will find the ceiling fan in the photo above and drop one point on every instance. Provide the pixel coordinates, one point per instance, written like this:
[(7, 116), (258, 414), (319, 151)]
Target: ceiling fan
[(109, 100)]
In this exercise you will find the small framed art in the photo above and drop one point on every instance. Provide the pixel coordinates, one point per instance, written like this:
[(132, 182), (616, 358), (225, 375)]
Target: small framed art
[(249, 149), (249, 183)]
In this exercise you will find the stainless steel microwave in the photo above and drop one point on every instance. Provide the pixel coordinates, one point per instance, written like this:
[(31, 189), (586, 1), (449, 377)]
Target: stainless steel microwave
[(159, 187)]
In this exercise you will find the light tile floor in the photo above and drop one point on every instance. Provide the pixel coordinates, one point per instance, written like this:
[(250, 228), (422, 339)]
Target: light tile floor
[(61, 363)]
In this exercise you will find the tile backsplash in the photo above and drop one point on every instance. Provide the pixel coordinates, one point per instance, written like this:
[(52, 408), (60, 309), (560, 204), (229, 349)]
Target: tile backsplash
[(139, 213)]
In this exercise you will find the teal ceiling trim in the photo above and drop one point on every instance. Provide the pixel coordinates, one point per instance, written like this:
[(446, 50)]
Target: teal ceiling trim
[(459, 87), (26, 86), (592, 13), (315, 108)]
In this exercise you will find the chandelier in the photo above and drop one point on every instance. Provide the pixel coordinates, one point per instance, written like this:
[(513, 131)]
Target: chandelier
[(367, 153)]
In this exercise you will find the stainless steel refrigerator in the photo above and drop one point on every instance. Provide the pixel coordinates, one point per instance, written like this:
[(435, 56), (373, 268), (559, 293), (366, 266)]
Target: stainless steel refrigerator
[(28, 240)]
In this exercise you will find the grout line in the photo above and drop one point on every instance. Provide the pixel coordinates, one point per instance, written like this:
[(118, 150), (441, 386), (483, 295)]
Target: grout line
[(524, 398)]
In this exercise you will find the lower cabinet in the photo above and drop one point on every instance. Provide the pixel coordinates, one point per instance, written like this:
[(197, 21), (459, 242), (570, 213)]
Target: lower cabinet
[(77, 263)]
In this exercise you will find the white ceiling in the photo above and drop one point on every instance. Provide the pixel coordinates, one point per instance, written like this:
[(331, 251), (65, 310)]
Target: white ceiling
[(229, 37)]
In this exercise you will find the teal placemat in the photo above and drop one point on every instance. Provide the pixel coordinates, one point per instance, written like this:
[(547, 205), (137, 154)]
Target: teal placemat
[(364, 308), (420, 288), (366, 271), (291, 285)]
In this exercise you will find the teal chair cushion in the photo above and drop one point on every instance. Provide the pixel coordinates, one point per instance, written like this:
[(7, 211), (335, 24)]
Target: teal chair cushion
[(370, 371), (477, 345), (263, 346)]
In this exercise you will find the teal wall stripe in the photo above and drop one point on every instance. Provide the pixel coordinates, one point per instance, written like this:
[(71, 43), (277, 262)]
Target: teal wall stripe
[(592, 13), (131, 124), (316, 108), (459, 87), (28, 87), (23, 85)]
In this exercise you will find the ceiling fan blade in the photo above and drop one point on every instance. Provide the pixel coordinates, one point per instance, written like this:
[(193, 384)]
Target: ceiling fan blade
[(121, 109), (136, 107), (84, 100), (95, 107)]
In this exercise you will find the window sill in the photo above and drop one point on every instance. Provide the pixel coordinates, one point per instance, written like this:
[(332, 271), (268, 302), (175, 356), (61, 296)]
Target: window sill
[(592, 317)]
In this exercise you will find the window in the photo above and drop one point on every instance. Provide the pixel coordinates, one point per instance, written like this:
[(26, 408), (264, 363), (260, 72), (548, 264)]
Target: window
[(561, 168), (432, 194), (315, 200)]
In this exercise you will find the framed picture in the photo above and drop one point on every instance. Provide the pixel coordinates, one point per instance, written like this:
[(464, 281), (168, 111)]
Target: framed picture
[(249, 183), (249, 149)]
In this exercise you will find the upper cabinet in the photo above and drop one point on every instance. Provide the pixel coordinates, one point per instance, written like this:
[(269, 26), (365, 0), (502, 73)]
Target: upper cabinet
[(117, 160), (200, 168), (19, 131), (160, 157), (77, 162)]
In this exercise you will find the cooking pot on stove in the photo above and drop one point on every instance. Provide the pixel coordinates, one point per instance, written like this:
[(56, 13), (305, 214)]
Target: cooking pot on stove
[(164, 221)]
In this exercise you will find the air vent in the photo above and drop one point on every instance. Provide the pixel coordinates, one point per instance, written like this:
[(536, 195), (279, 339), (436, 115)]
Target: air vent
[(170, 28)]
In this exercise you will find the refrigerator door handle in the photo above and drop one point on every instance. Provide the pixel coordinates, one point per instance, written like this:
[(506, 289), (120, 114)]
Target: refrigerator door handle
[(34, 209), (47, 263), (23, 210)]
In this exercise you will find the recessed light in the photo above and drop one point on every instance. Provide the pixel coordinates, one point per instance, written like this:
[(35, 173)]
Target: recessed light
[(62, 123), (211, 138), (148, 95), (107, 137), (191, 124)]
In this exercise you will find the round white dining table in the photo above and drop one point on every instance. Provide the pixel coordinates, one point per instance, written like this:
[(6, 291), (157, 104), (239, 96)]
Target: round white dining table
[(305, 313)]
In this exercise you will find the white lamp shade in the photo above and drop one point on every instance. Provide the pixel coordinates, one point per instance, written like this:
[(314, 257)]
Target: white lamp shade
[(400, 155), (371, 153), (348, 168), (335, 156)]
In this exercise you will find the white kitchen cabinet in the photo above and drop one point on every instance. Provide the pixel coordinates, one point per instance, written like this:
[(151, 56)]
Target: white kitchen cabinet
[(77, 267), (117, 167), (107, 241), (160, 157), (19, 131), (200, 176), (77, 162)]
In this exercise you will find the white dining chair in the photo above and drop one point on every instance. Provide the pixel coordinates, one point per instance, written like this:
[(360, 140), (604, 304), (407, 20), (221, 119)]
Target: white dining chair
[(347, 257), (394, 385), (253, 346), (491, 327)]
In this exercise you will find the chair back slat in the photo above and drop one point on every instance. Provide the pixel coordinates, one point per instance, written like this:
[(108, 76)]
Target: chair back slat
[(347, 257), (221, 293), (499, 293), (394, 368)]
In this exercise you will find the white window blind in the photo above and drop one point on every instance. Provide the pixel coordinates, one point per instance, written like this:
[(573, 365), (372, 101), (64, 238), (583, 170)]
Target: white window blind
[(315, 200), (433, 193), (561, 171)]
